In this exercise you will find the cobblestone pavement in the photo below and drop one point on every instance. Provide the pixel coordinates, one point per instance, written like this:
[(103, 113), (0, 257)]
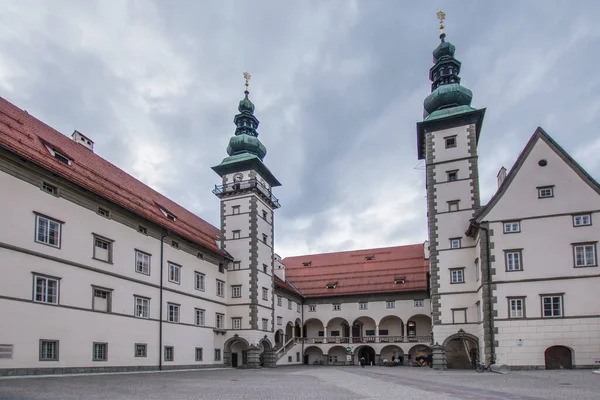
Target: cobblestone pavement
[(310, 382)]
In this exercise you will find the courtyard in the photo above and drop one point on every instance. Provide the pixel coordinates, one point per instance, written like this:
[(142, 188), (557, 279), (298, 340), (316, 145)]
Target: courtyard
[(309, 382)]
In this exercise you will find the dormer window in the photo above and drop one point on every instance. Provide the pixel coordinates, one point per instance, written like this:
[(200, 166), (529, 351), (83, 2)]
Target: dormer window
[(59, 156), (369, 258), (306, 263), (168, 214), (399, 281), (331, 285)]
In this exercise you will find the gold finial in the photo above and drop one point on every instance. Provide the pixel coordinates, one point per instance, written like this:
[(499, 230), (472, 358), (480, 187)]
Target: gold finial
[(441, 16), (247, 77)]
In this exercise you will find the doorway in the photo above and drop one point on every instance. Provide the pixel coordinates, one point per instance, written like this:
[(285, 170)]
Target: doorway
[(368, 353), (558, 357), (234, 360)]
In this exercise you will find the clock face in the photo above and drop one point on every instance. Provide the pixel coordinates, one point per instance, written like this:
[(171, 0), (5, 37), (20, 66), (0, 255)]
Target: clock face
[(238, 177)]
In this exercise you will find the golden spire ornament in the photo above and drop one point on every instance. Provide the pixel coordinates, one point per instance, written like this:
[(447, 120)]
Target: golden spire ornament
[(247, 77), (441, 16)]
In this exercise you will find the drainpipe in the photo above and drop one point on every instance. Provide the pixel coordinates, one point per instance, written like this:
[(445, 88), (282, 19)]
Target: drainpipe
[(302, 330), (489, 299), (160, 317)]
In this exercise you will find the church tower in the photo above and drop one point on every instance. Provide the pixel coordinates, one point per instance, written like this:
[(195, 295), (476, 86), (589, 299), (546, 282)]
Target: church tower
[(247, 206), (447, 140)]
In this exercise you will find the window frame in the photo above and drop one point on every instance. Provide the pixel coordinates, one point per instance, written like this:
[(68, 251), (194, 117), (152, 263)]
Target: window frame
[(45, 294), (135, 350), (170, 349), (452, 173), (109, 247), (174, 267), (516, 299), (279, 320), (56, 350), (593, 245), (547, 187), (199, 317), (217, 354), (312, 308), (199, 354), (236, 321), (279, 301), (506, 257), (511, 224), (175, 318), (452, 145), (390, 304), (453, 203), (219, 321), (49, 188), (456, 310), (199, 281), (234, 289), (455, 240), (49, 221), (144, 300), (363, 306), (589, 215), (236, 234), (235, 210), (553, 296), (265, 324), (462, 274), (108, 298), (337, 307), (220, 288), (95, 354), (265, 294), (144, 254), (237, 265), (416, 303)]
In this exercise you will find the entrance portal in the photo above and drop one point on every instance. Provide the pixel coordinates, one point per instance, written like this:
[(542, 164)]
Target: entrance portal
[(558, 357), (368, 353), (234, 360)]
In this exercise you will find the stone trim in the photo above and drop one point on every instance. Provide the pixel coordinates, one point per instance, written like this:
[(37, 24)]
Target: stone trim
[(92, 370), (253, 253), (554, 278)]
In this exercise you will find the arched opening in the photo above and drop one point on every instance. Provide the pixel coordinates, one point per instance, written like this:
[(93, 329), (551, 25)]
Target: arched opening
[(289, 331), (363, 330), (418, 328), (279, 338), (298, 328), (338, 330), (314, 330), (391, 329), (336, 355), (392, 354), (558, 357), (420, 355), (367, 353), (266, 355), (236, 352), (462, 350), (313, 355)]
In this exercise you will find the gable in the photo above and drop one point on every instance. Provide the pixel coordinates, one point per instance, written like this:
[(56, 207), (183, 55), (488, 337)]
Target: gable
[(574, 190)]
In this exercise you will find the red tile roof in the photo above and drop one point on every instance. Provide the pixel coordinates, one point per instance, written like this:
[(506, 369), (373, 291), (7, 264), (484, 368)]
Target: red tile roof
[(353, 274), (24, 135), (287, 286)]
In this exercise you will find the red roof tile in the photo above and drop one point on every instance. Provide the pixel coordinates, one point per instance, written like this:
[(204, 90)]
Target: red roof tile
[(287, 286), (25, 135), (353, 274)]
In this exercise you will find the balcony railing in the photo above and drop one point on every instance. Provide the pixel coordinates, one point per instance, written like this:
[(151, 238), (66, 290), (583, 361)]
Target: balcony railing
[(236, 187), (368, 339)]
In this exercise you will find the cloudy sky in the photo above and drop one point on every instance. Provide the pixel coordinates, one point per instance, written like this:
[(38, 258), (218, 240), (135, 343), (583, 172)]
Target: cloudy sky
[(338, 88)]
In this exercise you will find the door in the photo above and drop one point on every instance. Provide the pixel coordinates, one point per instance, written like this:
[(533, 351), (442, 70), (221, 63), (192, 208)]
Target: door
[(356, 332), (306, 359), (558, 357), (234, 360), (244, 357)]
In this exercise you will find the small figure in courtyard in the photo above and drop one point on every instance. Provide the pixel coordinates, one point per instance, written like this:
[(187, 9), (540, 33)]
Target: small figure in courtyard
[(362, 362)]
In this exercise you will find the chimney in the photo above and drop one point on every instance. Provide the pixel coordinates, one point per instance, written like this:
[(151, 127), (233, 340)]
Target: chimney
[(279, 268), (501, 176), (83, 140)]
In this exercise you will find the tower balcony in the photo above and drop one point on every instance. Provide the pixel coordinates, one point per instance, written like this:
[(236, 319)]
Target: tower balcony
[(251, 185)]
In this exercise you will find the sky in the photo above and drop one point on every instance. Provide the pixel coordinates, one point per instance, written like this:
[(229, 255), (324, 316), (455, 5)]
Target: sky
[(338, 87)]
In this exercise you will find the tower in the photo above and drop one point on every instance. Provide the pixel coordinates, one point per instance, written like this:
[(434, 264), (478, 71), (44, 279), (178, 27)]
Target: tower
[(447, 140), (247, 206)]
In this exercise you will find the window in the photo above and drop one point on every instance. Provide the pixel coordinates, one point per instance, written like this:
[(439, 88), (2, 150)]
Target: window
[(46, 187), (369, 258), (141, 350), (336, 307), (552, 306), (516, 307), (582, 220), (363, 306), (513, 260), (100, 352), (61, 158), (453, 206), (169, 353), (265, 214), (370, 332), (457, 276), (545, 191), (312, 308), (298, 307), (199, 317), (306, 263), (512, 227), (450, 141), (175, 244), (459, 315), (289, 304), (452, 175), (265, 238), (199, 354), (279, 321), (419, 303), (478, 305), (174, 273), (236, 323), (265, 268), (6, 351), (331, 285), (102, 249), (103, 212), (200, 256), (219, 320), (279, 300), (399, 281), (297, 356), (173, 312), (585, 255), (236, 234), (265, 293), (455, 243), (45, 289), (221, 268), (217, 354), (237, 265), (143, 230), (101, 299), (236, 291), (167, 214), (265, 324), (142, 262), (390, 304), (289, 358), (220, 288), (235, 209), (142, 307), (199, 281), (477, 269), (47, 231), (335, 333), (48, 350)]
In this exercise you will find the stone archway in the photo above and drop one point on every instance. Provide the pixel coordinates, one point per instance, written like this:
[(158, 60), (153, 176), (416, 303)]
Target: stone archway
[(392, 353), (235, 352), (279, 338), (420, 355), (462, 350), (558, 357), (267, 355), (368, 353)]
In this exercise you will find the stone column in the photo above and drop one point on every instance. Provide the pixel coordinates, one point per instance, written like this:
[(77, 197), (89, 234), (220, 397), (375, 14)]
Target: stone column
[(439, 357), (254, 357)]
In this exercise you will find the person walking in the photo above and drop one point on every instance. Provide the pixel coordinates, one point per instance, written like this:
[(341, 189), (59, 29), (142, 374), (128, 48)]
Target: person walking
[(362, 362)]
